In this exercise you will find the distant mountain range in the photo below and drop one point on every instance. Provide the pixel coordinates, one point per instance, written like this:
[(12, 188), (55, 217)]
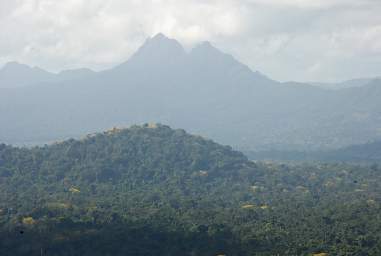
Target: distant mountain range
[(14, 75), (204, 91), (346, 84), (364, 153)]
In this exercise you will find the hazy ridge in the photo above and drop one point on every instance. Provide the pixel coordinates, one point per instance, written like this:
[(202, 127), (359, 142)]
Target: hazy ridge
[(204, 91)]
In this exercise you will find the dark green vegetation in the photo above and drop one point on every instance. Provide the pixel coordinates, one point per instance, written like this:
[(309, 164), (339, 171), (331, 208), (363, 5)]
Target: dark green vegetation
[(152, 190), (365, 153)]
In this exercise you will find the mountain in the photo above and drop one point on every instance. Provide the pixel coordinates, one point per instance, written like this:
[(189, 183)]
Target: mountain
[(205, 91), (346, 84), (363, 153), (153, 190), (14, 75), (72, 74)]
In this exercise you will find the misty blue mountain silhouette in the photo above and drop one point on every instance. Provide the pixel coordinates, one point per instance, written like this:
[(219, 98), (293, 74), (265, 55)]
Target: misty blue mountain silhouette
[(204, 91)]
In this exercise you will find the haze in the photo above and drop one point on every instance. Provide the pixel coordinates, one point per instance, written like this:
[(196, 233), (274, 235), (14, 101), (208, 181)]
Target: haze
[(190, 127)]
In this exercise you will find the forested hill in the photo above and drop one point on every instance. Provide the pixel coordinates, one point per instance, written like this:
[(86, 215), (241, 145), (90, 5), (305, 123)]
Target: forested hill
[(146, 154), (152, 190)]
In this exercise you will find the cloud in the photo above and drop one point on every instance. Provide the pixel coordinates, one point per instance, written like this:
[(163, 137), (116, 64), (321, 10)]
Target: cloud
[(285, 39)]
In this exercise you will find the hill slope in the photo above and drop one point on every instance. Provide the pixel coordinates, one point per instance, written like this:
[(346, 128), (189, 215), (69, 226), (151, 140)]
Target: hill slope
[(368, 153), (346, 84), (152, 190)]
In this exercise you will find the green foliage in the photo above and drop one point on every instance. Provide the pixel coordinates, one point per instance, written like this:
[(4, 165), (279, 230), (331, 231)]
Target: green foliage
[(151, 190)]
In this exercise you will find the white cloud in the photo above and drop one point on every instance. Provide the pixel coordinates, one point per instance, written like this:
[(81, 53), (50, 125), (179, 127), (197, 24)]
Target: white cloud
[(286, 39)]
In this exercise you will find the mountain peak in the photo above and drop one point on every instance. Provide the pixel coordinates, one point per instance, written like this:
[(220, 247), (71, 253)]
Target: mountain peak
[(14, 65), (156, 51), (162, 42), (207, 52), (205, 47), (160, 36), (206, 44), (15, 74)]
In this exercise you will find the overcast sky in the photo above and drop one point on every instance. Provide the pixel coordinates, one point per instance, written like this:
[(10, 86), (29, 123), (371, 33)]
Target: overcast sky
[(303, 40)]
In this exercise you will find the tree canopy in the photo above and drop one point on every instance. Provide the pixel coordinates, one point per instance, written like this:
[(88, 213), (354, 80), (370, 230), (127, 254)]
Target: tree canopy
[(153, 190)]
